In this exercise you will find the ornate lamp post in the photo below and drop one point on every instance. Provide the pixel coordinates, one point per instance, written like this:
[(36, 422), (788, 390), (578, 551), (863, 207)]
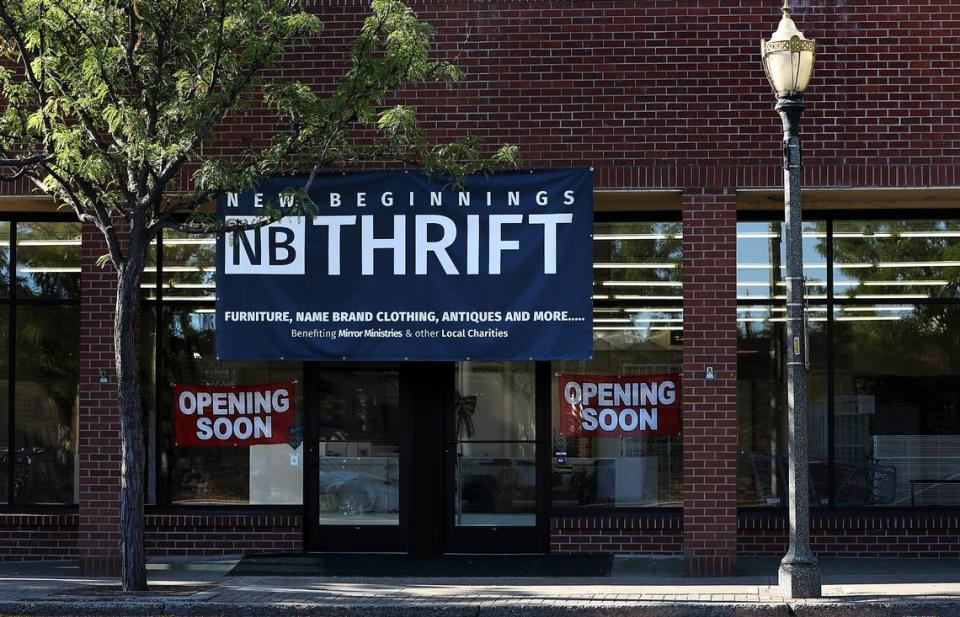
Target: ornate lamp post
[(788, 62)]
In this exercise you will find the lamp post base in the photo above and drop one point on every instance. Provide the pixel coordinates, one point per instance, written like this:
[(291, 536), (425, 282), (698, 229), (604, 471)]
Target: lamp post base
[(799, 579)]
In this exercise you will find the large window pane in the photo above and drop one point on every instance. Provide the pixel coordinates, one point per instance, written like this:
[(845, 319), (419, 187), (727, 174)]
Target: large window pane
[(637, 330), (624, 472), (762, 259), (495, 419), (359, 417), (47, 371), (48, 260), (762, 406), (261, 474), (634, 263), (897, 261), (897, 416), (761, 361), (189, 263)]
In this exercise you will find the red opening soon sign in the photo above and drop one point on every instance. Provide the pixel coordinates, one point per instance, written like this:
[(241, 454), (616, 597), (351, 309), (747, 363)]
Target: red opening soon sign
[(620, 406), (233, 416)]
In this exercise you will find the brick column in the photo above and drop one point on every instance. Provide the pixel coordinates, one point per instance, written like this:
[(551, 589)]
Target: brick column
[(99, 440), (709, 405)]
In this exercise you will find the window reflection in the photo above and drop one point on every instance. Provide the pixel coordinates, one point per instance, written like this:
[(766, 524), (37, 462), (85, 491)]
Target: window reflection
[(897, 430), (47, 369), (260, 474), (636, 262), (762, 406), (896, 404), (897, 261), (495, 420), (48, 260), (359, 413), (762, 258), (5, 451), (189, 267)]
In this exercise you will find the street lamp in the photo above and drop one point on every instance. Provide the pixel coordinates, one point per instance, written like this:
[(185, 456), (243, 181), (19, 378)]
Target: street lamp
[(788, 62)]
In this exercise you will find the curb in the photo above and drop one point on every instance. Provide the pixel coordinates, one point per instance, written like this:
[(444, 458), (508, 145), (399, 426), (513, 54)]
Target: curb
[(191, 608)]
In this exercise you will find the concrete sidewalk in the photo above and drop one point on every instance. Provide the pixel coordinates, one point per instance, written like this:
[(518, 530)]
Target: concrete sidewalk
[(204, 587)]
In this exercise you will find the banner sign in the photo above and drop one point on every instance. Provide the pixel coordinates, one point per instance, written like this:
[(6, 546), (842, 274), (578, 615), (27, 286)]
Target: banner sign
[(233, 416), (620, 406), (398, 266)]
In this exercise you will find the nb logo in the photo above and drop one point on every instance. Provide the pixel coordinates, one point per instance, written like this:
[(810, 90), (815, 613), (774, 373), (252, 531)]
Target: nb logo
[(272, 249)]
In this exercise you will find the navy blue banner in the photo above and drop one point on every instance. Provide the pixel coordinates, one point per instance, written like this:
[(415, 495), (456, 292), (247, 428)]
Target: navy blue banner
[(398, 266)]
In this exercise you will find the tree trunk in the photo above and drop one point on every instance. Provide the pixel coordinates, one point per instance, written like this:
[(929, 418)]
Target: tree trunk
[(133, 557)]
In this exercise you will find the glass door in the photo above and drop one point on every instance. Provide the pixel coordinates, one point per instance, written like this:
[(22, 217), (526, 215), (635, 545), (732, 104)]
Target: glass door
[(491, 454), (354, 447)]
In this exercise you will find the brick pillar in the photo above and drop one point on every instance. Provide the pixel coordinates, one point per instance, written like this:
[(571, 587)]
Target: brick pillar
[(709, 405), (99, 440)]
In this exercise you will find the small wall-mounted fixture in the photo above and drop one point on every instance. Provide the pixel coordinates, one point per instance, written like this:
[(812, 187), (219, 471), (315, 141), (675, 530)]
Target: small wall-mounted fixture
[(103, 376), (708, 374)]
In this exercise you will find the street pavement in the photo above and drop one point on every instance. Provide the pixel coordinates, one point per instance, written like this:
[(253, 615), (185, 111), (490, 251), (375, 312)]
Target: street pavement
[(636, 587)]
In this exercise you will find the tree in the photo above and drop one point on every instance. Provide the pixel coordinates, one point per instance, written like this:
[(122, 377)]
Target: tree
[(106, 105)]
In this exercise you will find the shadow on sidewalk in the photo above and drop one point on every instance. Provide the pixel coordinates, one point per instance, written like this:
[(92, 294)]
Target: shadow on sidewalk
[(550, 570)]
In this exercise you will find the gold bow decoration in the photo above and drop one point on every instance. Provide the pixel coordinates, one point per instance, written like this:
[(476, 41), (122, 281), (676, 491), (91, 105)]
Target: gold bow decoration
[(464, 408)]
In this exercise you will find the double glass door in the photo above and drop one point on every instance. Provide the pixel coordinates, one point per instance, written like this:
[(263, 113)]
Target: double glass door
[(425, 458)]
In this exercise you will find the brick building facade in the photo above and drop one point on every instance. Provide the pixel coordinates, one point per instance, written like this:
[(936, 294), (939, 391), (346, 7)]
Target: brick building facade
[(668, 103)]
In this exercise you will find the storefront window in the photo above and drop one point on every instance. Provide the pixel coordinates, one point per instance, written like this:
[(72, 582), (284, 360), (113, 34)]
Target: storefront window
[(890, 434), (184, 302), (897, 427), (260, 474), (638, 329), (897, 363), (40, 340)]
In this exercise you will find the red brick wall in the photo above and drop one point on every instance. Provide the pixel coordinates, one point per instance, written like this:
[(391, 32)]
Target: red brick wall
[(648, 91), (709, 273), (645, 91), (617, 533), (223, 534), (38, 536), (868, 534), (99, 439)]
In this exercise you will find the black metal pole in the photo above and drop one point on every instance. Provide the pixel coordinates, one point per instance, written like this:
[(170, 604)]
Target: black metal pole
[(799, 571)]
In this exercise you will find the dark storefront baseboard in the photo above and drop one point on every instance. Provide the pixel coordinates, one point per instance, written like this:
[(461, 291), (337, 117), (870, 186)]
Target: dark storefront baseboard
[(853, 533), (28, 536), (649, 533), (856, 533)]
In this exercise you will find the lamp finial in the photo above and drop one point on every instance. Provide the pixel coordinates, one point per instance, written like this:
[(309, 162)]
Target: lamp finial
[(786, 8)]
